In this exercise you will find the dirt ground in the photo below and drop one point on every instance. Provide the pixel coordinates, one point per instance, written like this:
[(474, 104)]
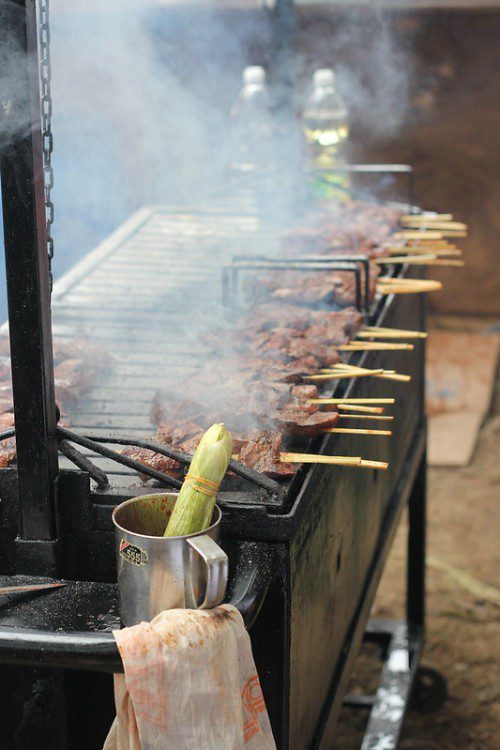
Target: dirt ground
[(463, 620)]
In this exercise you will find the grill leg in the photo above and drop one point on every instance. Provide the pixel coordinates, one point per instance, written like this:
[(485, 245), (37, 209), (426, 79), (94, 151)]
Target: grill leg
[(415, 594)]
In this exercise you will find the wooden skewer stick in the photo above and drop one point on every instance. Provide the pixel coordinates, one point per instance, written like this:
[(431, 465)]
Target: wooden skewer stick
[(454, 233), (346, 366), (390, 329), (418, 260), (437, 225), (338, 375), (358, 431), (417, 250), (422, 257), (333, 371), (397, 281), (364, 416), (434, 217), (351, 400), (359, 371), (387, 290), (413, 288), (364, 409), (390, 333), (419, 234), (374, 464), (375, 346), (313, 458), (28, 588), (434, 244), (429, 234)]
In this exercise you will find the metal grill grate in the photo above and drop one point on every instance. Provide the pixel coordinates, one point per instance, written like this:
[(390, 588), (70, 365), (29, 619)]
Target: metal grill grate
[(143, 295)]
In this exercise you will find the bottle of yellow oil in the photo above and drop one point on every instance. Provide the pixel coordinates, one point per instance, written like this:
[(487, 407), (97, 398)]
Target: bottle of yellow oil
[(326, 130)]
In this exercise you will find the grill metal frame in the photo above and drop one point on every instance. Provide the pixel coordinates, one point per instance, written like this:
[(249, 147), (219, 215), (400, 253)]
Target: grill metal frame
[(265, 541)]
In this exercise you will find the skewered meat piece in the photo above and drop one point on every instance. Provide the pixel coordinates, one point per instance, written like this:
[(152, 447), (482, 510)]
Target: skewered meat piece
[(301, 419), (339, 323), (6, 420), (7, 447), (294, 421), (83, 350), (154, 461), (5, 396), (4, 346), (262, 452), (182, 434), (304, 392), (75, 375), (77, 364), (325, 288), (4, 367), (345, 228), (7, 452)]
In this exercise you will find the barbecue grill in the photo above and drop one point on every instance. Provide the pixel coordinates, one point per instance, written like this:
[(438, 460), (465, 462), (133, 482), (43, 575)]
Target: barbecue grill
[(305, 556)]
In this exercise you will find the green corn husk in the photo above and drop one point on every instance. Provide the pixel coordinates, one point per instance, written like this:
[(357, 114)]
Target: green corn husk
[(193, 509)]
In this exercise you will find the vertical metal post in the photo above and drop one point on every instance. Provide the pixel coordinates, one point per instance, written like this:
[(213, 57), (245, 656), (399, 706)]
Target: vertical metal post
[(29, 299), (417, 513), (415, 606)]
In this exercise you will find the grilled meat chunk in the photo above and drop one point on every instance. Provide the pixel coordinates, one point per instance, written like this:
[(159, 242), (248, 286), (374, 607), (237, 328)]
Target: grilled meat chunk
[(7, 447), (294, 421), (262, 452)]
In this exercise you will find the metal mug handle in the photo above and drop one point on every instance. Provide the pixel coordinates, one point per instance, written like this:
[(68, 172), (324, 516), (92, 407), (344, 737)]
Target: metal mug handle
[(216, 563)]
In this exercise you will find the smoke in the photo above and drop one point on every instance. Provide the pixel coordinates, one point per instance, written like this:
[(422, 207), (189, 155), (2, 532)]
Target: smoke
[(373, 60), (142, 93), (379, 95), (140, 110)]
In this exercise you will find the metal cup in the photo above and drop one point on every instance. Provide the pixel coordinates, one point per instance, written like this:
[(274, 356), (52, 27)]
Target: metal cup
[(156, 572)]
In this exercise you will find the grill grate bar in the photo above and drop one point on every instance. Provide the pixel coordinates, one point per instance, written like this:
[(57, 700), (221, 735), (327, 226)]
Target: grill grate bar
[(134, 296)]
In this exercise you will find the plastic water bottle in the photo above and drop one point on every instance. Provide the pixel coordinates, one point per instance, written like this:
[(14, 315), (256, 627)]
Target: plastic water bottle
[(252, 123), (326, 130)]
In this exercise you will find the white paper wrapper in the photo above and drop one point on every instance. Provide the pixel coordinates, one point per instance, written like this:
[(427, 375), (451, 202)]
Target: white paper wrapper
[(190, 682)]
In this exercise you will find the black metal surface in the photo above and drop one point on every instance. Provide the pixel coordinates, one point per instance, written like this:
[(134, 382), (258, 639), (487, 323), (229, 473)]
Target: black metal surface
[(415, 588), (83, 463), (251, 579), (71, 627), (401, 496), (92, 445), (28, 294)]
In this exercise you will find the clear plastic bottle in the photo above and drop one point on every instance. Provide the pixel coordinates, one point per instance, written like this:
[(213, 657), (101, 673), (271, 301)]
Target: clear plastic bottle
[(326, 130), (252, 122)]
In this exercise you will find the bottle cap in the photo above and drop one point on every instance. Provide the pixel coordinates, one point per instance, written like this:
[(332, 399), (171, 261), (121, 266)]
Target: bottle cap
[(324, 77), (254, 74)]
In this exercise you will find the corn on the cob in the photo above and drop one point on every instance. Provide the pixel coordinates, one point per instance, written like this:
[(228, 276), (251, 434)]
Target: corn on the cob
[(194, 507)]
